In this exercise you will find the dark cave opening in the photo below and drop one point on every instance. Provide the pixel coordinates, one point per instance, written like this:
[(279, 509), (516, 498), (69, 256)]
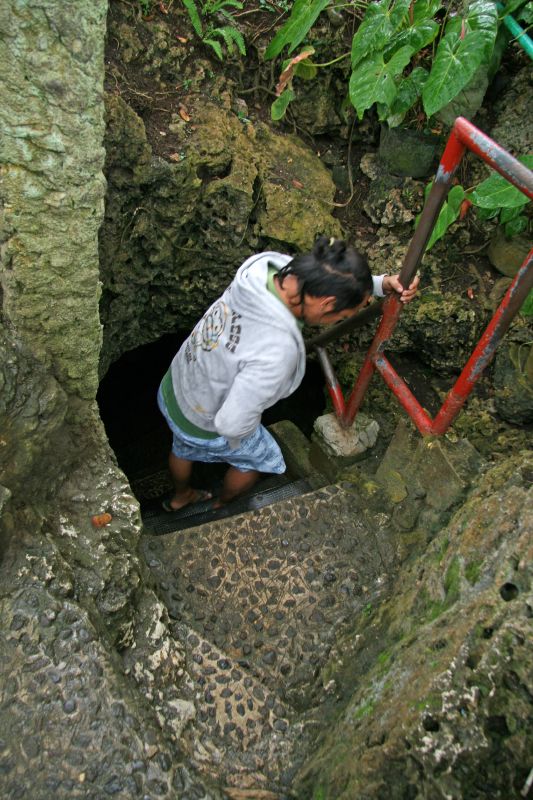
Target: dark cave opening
[(138, 434)]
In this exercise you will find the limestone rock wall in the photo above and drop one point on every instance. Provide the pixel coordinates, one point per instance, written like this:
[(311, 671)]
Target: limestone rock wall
[(73, 596), (433, 693), (51, 60)]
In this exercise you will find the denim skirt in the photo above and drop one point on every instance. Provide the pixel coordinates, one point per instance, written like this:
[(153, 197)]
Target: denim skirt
[(258, 451)]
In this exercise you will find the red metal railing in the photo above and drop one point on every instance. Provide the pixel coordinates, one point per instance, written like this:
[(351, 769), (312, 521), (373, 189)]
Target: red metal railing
[(464, 136)]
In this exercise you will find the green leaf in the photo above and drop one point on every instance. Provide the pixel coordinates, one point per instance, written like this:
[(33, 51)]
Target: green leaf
[(525, 14), (485, 213), (303, 16), (279, 106), (408, 93), (416, 37), (190, 5), (497, 192), (423, 9), (527, 305), (216, 47), (448, 213), (381, 20), (515, 226), (306, 70), (457, 59), (230, 35), (373, 80), (507, 214)]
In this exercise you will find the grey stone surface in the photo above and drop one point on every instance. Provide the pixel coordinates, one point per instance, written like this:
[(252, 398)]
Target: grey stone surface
[(346, 442), (51, 61), (439, 675)]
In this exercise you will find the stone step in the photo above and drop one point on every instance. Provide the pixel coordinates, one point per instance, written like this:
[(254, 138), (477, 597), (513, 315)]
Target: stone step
[(268, 590), (239, 722)]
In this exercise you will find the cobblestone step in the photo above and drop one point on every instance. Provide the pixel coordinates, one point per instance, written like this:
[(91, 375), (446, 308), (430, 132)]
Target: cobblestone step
[(259, 598)]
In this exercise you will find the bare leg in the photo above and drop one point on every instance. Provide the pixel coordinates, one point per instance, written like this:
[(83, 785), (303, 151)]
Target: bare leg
[(180, 470), (236, 482)]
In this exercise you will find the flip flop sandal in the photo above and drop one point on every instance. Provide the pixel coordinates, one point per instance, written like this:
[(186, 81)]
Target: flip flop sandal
[(200, 496)]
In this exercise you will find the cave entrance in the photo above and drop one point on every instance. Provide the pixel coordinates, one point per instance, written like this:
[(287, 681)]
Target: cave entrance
[(138, 434)]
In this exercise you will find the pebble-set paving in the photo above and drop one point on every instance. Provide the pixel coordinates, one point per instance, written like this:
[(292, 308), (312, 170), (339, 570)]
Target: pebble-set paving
[(258, 598)]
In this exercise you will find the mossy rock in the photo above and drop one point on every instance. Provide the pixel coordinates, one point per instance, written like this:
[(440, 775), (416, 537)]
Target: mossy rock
[(176, 229), (513, 382)]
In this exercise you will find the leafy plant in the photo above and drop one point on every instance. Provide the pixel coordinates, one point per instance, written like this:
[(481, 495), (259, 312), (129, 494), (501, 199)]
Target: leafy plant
[(394, 61), (494, 198), (217, 36), (146, 7), (527, 306)]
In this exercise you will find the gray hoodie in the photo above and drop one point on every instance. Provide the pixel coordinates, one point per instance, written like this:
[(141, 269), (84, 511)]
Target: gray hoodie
[(245, 354)]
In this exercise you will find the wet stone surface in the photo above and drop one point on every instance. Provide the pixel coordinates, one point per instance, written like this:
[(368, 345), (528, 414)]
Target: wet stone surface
[(72, 723), (258, 599)]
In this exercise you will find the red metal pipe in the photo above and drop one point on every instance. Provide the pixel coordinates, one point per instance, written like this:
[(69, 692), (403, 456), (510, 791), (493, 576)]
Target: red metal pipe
[(480, 358), (334, 388), (486, 347), (494, 155), (404, 395), (391, 312)]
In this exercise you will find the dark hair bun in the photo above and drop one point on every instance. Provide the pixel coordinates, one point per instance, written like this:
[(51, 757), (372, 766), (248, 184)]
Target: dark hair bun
[(330, 250)]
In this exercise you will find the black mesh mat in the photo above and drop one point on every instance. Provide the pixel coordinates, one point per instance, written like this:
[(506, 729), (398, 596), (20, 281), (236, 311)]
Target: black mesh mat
[(157, 521)]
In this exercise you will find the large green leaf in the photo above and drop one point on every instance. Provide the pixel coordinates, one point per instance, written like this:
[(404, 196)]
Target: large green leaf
[(455, 64), (416, 36), (279, 106), (373, 80), (448, 214), (381, 20), (527, 305), (497, 192), (423, 9), (482, 17), (408, 93), (460, 52), (303, 16)]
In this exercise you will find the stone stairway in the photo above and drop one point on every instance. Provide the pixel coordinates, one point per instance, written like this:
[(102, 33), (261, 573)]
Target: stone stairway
[(259, 599)]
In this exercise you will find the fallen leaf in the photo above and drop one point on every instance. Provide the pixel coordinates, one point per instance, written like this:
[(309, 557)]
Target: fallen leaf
[(176, 157), (163, 9), (182, 39), (286, 75), (297, 184), (183, 114), (470, 293)]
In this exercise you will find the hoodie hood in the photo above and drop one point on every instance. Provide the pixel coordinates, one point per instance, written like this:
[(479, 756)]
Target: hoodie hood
[(246, 295)]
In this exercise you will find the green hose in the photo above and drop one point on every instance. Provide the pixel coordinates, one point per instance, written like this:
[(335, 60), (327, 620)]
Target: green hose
[(518, 32)]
